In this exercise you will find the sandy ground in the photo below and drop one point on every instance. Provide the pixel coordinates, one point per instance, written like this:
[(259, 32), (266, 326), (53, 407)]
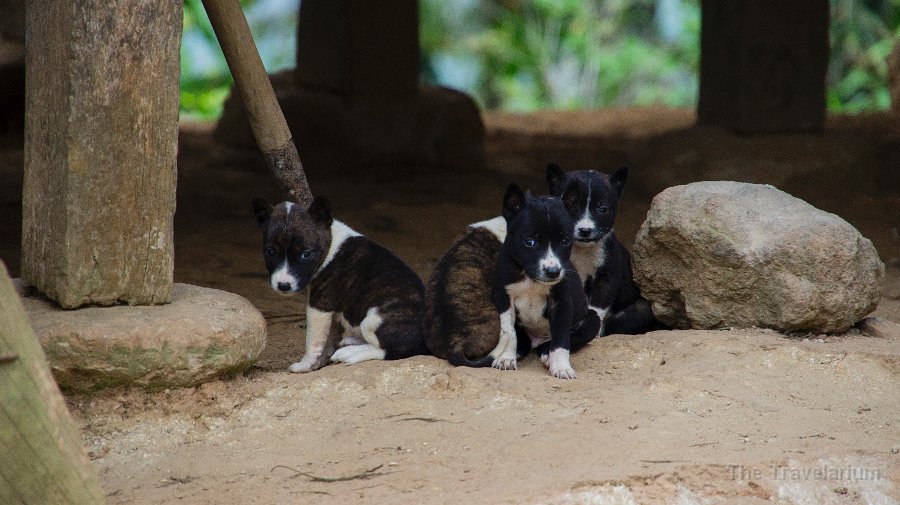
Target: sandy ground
[(681, 417)]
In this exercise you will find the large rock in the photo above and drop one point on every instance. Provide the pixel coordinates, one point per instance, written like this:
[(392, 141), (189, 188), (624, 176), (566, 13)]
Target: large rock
[(203, 334), (729, 254)]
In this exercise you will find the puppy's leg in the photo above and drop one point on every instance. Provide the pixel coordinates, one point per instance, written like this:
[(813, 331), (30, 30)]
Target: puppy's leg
[(559, 364), (505, 353), (585, 330), (352, 336), (318, 325), (603, 315), (371, 349)]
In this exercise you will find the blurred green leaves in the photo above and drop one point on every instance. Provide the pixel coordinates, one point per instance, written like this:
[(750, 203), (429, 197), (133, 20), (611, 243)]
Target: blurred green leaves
[(526, 55)]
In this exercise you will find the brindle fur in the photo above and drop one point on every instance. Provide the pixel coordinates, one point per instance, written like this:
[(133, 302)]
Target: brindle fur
[(462, 324)]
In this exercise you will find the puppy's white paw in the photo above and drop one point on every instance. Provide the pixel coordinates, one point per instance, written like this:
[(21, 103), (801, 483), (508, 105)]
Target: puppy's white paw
[(356, 353), (301, 366), (506, 361), (562, 373), (342, 354), (559, 365), (545, 359)]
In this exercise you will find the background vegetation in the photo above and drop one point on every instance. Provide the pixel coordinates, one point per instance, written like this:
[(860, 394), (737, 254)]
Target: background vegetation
[(525, 55)]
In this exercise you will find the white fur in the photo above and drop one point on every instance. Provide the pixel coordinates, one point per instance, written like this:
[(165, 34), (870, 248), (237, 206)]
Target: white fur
[(282, 274), (504, 353), (340, 232), (587, 258), (602, 314), (356, 353), (559, 364), (497, 226), (369, 325), (318, 325), (586, 221), (530, 299), (361, 342), (288, 206), (551, 260)]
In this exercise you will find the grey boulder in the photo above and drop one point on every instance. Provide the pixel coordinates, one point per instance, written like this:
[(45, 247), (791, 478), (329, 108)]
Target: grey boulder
[(729, 254)]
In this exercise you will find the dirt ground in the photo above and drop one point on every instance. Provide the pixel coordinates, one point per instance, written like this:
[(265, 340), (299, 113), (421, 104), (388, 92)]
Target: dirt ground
[(676, 417)]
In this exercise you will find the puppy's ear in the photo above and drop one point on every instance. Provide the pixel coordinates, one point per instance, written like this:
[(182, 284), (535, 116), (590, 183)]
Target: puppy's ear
[(571, 197), (617, 179), (555, 179), (262, 211), (320, 210), (513, 201)]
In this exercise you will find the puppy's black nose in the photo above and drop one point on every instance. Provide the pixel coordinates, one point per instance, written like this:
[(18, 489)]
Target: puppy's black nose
[(284, 286), (552, 272), (585, 232)]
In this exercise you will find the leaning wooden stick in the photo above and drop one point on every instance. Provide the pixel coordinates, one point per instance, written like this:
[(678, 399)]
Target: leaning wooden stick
[(253, 86)]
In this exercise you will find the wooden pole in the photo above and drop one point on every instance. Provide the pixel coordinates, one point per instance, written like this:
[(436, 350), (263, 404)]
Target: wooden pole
[(43, 458), (253, 86)]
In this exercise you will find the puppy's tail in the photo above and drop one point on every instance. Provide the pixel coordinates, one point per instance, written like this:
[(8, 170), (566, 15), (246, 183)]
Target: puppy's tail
[(458, 358)]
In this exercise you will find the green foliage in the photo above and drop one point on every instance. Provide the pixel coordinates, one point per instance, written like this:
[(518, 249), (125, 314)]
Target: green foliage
[(566, 54), (570, 54), (863, 34), (205, 78)]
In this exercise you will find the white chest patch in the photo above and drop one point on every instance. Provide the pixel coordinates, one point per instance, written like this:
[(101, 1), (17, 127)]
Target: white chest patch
[(587, 258), (530, 300)]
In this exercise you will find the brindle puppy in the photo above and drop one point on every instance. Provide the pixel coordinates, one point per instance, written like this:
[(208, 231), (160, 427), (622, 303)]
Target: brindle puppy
[(375, 296)]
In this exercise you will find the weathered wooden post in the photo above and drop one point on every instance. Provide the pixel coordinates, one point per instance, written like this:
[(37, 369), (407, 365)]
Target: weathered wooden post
[(101, 137), (252, 83), (44, 461)]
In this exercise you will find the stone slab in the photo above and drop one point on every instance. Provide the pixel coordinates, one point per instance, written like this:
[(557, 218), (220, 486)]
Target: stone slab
[(202, 335)]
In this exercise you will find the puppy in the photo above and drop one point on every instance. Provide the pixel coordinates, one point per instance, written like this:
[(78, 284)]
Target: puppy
[(461, 323), (375, 296), (601, 260), (537, 291)]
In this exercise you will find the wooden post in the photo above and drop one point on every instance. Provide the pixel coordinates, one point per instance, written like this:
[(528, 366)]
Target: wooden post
[(263, 111), (101, 144), (44, 461)]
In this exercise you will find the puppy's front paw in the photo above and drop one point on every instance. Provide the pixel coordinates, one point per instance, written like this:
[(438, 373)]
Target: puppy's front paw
[(303, 366), (545, 359), (562, 373), (559, 364), (506, 361)]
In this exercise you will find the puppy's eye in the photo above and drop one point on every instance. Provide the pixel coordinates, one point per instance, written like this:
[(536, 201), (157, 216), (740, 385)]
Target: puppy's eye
[(305, 255), (270, 251), (602, 210), (566, 241), (530, 242)]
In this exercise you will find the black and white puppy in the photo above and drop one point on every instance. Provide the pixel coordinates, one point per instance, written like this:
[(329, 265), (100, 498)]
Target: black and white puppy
[(601, 260), (374, 295), (537, 291)]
